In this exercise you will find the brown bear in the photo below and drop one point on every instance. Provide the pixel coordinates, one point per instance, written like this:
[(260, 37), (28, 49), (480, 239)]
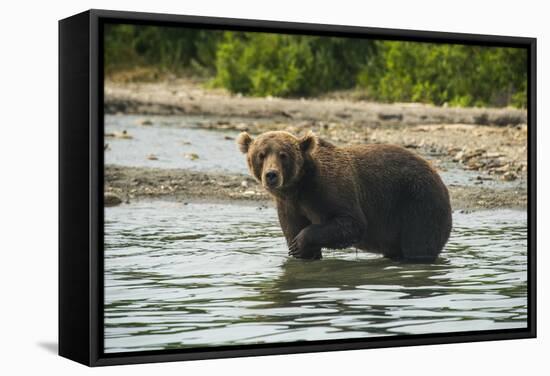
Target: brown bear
[(379, 198)]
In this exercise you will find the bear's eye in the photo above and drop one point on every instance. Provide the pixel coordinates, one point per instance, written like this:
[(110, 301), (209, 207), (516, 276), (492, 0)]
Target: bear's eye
[(261, 155), (283, 156)]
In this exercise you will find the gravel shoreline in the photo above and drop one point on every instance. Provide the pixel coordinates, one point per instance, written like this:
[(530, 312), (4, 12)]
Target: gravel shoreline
[(490, 142), (127, 184), (178, 97)]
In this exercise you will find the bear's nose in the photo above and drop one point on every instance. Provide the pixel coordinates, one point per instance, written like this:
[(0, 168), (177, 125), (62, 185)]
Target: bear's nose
[(271, 177)]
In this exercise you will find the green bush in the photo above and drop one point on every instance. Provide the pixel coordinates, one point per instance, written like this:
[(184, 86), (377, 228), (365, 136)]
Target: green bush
[(288, 65), (262, 64), (168, 49), (118, 50), (443, 73)]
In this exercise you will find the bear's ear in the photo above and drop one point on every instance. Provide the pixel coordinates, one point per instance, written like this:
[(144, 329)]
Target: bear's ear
[(308, 142), (244, 140)]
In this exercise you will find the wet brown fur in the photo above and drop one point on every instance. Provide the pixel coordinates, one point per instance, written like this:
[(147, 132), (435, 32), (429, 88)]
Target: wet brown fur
[(380, 198)]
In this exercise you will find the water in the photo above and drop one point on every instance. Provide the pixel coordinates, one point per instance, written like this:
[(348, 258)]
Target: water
[(193, 275), (172, 139)]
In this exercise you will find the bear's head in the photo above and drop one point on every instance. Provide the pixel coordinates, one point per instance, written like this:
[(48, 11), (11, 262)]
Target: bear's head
[(276, 159)]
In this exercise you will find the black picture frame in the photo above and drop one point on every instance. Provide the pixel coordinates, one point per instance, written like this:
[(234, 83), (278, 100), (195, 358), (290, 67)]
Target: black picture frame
[(81, 187)]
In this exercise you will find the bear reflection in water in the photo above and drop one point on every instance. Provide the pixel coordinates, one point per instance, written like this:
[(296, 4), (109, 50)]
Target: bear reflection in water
[(379, 198)]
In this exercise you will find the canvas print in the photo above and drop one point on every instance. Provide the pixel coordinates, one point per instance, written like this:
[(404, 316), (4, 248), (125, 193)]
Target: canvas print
[(275, 188)]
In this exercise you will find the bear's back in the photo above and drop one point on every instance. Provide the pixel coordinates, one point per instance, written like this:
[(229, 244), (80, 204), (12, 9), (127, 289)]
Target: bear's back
[(381, 178), (389, 167)]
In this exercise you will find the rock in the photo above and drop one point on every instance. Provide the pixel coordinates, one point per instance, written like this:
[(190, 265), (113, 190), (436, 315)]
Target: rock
[(111, 199), (192, 156), (509, 176), (388, 116), (152, 157), (146, 122), (497, 164), (228, 138), (472, 154), (504, 168), (343, 115), (286, 114), (482, 119), (249, 193), (473, 165), (244, 184), (124, 135), (241, 127), (509, 119), (458, 156)]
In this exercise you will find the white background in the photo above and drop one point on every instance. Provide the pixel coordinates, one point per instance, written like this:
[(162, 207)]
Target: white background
[(28, 197)]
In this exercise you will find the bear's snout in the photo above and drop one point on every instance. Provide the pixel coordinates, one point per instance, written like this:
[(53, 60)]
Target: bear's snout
[(272, 178)]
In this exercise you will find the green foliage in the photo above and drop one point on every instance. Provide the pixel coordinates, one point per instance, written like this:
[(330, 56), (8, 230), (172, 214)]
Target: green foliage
[(264, 64), (118, 50), (168, 49), (443, 73), (288, 65)]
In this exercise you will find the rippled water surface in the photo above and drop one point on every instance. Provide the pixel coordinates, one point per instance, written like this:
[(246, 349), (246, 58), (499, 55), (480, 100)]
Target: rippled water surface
[(192, 275)]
